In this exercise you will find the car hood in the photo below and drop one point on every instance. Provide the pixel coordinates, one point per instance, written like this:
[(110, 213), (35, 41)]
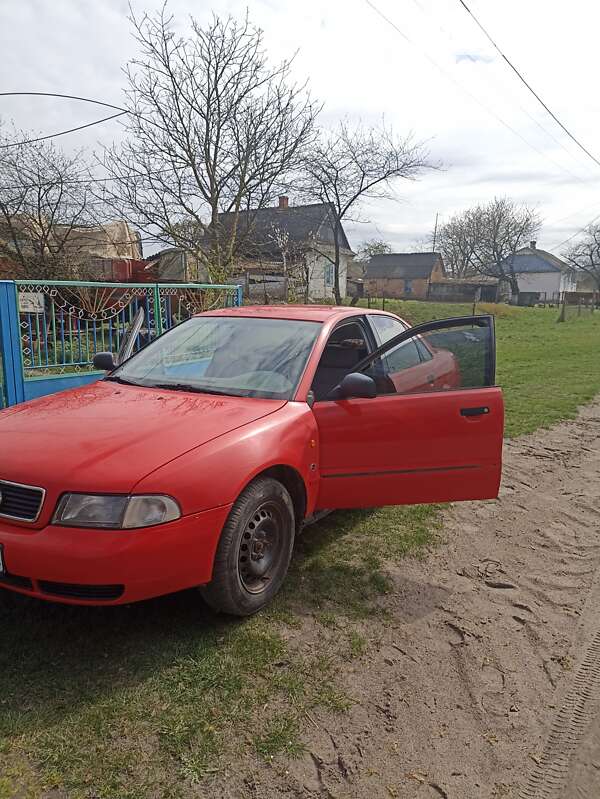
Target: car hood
[(107, 436)]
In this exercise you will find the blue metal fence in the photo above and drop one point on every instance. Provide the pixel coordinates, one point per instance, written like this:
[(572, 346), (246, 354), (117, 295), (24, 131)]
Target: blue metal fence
[(50, 331)]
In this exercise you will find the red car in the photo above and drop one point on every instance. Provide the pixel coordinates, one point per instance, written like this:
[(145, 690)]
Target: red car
[(198, 460)]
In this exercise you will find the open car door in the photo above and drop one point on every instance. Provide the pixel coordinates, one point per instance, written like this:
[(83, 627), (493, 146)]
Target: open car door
[(432, 433), (130, 337)]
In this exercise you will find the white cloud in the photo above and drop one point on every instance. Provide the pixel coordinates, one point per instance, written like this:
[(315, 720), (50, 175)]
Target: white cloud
[(360, 66), (473, 58)]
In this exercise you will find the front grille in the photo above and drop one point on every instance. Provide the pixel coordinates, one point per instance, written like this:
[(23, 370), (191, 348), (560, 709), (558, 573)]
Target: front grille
[(16, 581), (73, 591), (19, 501)]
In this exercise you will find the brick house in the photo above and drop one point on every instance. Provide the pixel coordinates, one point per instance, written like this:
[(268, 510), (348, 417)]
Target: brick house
[(404, 275)]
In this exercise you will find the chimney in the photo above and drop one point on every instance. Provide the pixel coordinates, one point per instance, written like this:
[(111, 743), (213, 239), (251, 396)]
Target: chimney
[(284, 201), (531, 243)]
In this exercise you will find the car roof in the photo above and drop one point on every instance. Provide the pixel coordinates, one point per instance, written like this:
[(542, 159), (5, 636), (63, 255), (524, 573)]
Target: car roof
[(309, 313)]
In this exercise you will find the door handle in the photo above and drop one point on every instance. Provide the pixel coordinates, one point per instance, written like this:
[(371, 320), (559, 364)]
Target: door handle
[(481, 411)]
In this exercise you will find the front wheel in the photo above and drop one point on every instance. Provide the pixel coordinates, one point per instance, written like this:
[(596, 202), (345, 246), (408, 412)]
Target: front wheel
[(254, 550)]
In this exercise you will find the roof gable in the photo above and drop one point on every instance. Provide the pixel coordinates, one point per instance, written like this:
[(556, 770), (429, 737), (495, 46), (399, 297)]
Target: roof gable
[(529, 260), (302, 223), (403, 265)]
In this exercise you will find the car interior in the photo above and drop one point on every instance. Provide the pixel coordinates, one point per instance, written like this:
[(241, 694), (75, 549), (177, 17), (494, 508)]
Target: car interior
[(346, 347)]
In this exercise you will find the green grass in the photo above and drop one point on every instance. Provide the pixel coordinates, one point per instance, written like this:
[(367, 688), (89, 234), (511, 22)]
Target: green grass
[(153, 698), (150, 700)]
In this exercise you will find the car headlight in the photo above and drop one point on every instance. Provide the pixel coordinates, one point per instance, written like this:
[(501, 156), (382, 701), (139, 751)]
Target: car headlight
[(115, 512)]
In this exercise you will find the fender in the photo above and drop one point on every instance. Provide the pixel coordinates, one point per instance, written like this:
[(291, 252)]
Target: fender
[(215, 473)]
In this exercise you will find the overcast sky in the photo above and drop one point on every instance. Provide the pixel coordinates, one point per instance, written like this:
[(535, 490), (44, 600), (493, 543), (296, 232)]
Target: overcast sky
[(359, 66)]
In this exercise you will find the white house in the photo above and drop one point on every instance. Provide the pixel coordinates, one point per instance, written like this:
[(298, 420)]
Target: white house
[(295, 239), (540, 272)]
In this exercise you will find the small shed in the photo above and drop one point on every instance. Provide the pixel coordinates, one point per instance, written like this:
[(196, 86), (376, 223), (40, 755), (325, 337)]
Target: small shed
[(404, 275)]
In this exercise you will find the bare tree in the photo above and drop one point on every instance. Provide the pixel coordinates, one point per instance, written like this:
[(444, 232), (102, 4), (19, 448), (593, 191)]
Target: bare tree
[(498, 230), (351, 164), (584, 255), (213, 131), (367, 249), (457, 242), (44, 204)]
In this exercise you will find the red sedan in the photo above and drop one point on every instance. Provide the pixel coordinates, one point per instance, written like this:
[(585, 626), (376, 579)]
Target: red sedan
[(198, 460)]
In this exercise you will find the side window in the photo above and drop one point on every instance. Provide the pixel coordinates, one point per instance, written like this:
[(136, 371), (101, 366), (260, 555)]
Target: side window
[(405, 355), (346, 346), (385, 327), (449, 357)]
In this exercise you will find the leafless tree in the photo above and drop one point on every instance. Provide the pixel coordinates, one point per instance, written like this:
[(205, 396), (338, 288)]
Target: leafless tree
[(44, 204), (584, 255), (213, 131), (456, 242), (367, 249), (485, 238), (351, 164)]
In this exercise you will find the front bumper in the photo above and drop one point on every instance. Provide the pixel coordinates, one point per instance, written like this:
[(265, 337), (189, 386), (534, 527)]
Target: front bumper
[(100, 567)]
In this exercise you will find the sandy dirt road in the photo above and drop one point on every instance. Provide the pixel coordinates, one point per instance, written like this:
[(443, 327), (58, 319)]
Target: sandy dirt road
[(486, 681)]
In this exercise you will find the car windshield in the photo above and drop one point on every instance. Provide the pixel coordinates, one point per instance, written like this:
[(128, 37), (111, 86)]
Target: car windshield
[(233, 355)]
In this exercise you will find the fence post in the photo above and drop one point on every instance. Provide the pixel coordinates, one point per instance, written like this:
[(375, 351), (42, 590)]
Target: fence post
[(239, 296), (158, 325), (10, 343)]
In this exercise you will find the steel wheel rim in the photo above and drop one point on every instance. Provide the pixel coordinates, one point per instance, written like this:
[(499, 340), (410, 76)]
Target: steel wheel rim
[(261, 548)]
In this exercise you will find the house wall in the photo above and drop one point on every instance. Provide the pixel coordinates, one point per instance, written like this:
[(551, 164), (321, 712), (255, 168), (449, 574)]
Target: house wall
[(403, 289), (398, 288), (549, 283), (321, 275)]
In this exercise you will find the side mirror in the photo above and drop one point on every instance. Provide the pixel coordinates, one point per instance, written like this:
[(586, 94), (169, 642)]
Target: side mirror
[(104, 361), (356, 385)]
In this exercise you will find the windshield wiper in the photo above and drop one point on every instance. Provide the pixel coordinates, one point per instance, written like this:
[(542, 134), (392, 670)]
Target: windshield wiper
[(188, 387), (118, 379)]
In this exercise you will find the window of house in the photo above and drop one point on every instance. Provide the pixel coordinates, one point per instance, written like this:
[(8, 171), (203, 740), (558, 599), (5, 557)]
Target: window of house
[(329, 275), (408, 286)]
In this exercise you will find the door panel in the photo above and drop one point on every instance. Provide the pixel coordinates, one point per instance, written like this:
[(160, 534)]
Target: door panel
[(407, 449), (434, 433)]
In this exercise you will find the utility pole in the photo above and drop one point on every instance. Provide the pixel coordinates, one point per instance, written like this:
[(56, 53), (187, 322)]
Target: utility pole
[(435, 230)]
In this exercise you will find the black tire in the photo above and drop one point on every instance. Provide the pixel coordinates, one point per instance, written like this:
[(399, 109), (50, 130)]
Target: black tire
[(254, 550)]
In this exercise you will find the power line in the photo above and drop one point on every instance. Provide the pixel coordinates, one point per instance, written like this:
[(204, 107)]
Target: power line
[(62, 132), (525, 83), (65, 97), (88, 181), (535, 121), (466, 91), (575, 213), (577, 232), (82, 100)]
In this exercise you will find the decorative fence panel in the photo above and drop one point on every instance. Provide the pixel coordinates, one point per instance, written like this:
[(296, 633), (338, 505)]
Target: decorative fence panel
[(56, 327)]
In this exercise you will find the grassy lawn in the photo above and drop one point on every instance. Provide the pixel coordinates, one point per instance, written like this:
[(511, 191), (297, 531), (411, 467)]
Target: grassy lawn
[(151, 699)]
